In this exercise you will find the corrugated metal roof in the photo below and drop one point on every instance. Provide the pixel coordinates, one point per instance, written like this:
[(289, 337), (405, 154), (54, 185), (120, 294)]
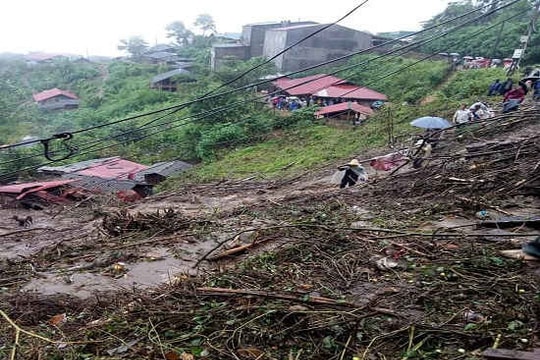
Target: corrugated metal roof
[(106, 168), (163, 169), (169, 74), (162, 55), (32, 186), (341, 107), (160, 47), (48, 94), (299, 26), (98, 184), (347, 91), (70, 168), (309, 84)]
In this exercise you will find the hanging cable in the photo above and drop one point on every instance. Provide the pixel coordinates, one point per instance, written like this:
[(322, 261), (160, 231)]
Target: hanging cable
[(407, 46)]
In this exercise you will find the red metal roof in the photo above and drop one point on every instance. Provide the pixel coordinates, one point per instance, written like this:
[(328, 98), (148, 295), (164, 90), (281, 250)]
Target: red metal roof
[(48, 94), (115, 168), (344, 106), (348, 91), (308, 85), (25, 188)]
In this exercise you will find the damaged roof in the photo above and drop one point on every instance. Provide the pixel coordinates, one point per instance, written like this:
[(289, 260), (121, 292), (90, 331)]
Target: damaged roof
[(166, 168), (105, 168), (21, 190)]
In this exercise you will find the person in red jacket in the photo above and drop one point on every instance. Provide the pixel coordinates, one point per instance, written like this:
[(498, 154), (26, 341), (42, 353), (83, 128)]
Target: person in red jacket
[(514, 97)]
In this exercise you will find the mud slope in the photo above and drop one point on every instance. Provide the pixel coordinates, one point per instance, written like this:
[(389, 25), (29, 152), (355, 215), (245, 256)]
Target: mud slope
[(410, 265)]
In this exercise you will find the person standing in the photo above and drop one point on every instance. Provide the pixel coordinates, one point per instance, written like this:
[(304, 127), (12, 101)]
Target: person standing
[(462, 115), (353, 172)]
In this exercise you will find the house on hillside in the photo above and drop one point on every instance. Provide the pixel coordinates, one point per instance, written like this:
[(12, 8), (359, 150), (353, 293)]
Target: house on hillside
[(116, 175), (160, 171), (306, 86), (348, 92), (161, 57), (344, 113), (169, 81), (54, 99), (35, 58), (272, 38), (328, 89), (338, 98)]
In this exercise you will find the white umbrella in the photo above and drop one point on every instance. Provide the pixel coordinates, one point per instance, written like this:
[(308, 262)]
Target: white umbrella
[(431, 122)]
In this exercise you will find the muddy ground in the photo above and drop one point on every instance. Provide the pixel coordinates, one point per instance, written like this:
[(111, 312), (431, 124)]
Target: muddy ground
[(401, 267)]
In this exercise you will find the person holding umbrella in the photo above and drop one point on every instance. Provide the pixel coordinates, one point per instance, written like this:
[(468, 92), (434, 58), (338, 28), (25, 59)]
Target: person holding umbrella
[(433, 125)]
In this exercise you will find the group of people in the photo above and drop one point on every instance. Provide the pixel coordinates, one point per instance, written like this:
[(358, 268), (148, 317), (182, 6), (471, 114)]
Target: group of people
[(288, 103), (499, 88), (513, 96), (477, 111)]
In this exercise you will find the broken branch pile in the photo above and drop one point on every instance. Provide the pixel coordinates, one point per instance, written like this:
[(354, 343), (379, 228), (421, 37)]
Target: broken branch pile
[(165, 221), (487, 169)]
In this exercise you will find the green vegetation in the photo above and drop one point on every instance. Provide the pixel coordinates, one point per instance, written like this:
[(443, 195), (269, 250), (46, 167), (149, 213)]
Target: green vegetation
[(417, 80), (226, 134), (495, 42)]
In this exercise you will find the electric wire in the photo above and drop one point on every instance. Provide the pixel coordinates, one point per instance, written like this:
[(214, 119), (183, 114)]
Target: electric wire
[(185, 123), (184, 104), (151, 134), (181, 106)]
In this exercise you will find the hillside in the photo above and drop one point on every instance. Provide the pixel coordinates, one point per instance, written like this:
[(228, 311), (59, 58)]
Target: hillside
[(256, 253), (399, 267)]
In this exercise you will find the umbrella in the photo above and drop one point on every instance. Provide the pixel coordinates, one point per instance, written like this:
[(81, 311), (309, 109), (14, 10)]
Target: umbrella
[(468, 57), (431, 122)]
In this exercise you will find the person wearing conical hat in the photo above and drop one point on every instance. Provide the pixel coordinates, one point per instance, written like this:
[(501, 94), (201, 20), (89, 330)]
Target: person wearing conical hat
[(353, 172)]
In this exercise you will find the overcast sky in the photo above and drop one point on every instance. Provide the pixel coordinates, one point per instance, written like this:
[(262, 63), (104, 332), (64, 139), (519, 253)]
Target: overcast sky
[(95, 27)]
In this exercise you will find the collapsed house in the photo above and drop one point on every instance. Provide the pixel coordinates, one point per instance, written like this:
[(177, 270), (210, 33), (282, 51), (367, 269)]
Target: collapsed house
[(128, 180), (36, 195)]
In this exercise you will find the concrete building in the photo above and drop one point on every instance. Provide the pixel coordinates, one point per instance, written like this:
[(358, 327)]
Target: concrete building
[(221, 54), (329, 44), (254, 35), (269, 39), (250, 44)]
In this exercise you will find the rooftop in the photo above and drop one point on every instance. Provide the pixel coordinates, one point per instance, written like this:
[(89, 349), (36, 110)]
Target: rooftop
[(48, 94), (308, 85), (344, 106)]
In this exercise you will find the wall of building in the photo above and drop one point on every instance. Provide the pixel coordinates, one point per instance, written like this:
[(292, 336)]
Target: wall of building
[(275, 41), (255, 34), (58, 102), (223, 54), (330, 44)]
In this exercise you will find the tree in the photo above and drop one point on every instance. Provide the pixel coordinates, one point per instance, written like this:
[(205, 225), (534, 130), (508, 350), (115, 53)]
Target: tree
[(178, 31), (206, 23), (135, 46)]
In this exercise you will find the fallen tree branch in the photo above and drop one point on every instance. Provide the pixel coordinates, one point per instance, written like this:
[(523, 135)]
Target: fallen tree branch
[(267, 294), (24, 231), (236, 250)]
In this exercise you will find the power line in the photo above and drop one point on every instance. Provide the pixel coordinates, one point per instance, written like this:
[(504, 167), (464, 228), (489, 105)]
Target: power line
[(235, 104), (181, 106)]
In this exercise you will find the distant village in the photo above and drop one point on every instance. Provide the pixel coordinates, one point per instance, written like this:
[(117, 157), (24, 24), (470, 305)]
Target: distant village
[(337, 101)]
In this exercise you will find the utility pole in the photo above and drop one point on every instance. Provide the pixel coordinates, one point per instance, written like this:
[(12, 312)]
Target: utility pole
[(519, 53)]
